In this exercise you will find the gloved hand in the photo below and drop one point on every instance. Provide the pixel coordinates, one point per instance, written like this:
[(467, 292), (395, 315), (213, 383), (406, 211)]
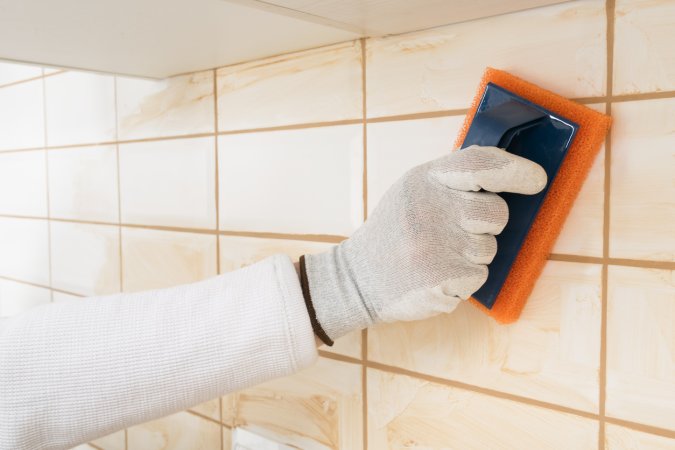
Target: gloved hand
[(423, 249)]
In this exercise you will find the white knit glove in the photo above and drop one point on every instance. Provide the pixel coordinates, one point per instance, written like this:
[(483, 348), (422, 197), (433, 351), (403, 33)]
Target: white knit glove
[(423, 249)]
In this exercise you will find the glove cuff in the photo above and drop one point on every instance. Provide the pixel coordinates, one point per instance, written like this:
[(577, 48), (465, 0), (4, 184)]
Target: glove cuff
[(316, 326), (334, 295)]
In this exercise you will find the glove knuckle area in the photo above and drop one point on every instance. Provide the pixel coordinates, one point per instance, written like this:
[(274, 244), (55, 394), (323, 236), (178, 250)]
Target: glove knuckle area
[(481, 212), (478, 248), (464, 279)]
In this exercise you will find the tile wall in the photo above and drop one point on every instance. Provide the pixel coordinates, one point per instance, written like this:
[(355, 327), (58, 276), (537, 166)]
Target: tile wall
[(112, 184)]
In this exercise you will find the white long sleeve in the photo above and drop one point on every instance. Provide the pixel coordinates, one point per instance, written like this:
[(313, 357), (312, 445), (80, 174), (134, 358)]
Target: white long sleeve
[(71, 372)]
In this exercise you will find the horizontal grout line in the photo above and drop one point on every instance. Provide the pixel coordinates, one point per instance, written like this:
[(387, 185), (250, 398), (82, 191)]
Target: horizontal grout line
[(416, 116), (308, 125), (41, 286), (646, 264), (642, 427), (458, 384), (494, 393), (299, 126), (329, 238), (27, 80), (200, 415), (644, 96)]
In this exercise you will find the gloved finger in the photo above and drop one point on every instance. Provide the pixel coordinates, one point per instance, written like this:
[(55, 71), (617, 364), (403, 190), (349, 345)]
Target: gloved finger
[(477, 248), (464, 285), (479, 212), (491, 169)]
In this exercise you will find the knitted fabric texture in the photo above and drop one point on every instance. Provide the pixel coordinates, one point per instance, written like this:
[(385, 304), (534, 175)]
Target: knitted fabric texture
[(74, 371)]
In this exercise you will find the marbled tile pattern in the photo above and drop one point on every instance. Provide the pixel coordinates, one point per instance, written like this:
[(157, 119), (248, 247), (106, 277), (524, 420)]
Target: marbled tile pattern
[(560, 47), (152, 183), (642, 223), (621, 438), (154, 259), (181, 431), (316, 409), (407, 413), (641, 346), (175, 106), (326, 86), (644, 60), (550, 354)]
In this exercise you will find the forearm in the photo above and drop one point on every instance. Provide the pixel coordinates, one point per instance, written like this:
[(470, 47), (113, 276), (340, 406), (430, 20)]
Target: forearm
[(70, 372)]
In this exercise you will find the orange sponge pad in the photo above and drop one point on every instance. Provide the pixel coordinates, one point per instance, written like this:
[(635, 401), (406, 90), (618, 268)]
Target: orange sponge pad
[(529, 262)]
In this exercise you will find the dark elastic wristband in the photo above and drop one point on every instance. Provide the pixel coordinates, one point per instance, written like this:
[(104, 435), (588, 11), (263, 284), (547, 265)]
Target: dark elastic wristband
[(304, 284)]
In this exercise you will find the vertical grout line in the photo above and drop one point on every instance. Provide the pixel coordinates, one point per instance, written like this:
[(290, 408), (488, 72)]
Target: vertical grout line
[(217, 187), (602, 375), (220, 419), (364, 333), (119, 188), (49, 213), (119, 213), (217, 183)]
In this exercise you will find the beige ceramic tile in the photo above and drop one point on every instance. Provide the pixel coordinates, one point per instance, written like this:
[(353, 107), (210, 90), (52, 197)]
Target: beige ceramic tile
[(23, 184), (12, 72), (550, 354), (396, 147), (408, 413), (237, 252), (209, 409), (560, 47), (644, 60), (83, 183), (313, 86), (24, 250), (170, 183), (317, 408), (641, 346), (621, 438), (156, 259), (114, 441), (21, 116), (16, 298), (642, 205), (298, 181), (181, 431), (170, 107), (582, 231), (80, 108), (227, 439), (85, 258)]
